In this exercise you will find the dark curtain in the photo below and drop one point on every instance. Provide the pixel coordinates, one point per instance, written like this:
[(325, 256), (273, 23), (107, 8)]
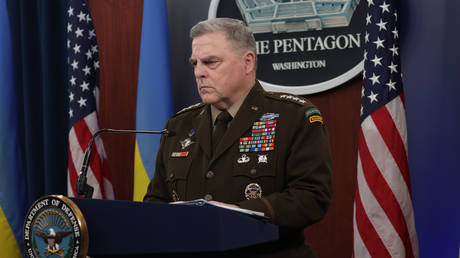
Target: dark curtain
[(39, 44)]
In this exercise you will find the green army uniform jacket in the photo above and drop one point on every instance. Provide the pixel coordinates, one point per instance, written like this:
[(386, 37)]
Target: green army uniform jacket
[(294, 175)]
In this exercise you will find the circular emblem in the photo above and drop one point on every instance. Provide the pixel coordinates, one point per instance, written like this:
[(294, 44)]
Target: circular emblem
[(253, 191), (303, 47), (55, 227)]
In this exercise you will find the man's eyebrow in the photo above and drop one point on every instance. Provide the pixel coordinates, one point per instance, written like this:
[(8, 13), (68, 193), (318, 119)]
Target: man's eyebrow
[(193, 60)]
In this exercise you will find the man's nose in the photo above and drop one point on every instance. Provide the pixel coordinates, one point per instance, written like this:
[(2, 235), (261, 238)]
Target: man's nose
[(199, 71)]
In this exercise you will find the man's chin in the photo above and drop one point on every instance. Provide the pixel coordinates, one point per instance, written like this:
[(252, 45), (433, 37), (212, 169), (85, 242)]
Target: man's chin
[(206, 99)]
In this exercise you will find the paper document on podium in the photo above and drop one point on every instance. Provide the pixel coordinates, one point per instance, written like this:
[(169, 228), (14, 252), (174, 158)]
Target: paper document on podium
[(202, 202)]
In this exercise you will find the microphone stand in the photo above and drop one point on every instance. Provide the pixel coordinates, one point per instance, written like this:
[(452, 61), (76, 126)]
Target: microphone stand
[(83, 188)]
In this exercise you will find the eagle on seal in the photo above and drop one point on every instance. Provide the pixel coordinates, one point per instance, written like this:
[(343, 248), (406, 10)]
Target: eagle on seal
[(53, 239)]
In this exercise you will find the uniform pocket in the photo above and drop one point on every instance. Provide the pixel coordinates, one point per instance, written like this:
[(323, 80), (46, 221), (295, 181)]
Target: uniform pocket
[(176, 177), (254, 182)]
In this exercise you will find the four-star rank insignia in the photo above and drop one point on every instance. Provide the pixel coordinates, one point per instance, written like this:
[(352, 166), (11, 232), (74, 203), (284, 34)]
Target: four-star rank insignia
[(262, 136)]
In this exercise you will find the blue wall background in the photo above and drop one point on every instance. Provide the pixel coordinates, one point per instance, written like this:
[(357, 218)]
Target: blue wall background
[(430, 55)]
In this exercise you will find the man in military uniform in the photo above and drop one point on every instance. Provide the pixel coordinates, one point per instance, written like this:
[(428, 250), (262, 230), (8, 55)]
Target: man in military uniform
[(243, 146)]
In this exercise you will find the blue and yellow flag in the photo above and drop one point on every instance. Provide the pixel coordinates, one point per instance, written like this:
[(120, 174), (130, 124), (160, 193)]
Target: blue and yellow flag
[(154, 98), (12, 187)]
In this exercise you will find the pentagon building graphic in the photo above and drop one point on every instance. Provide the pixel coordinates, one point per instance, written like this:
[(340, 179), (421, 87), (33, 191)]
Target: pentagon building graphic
[(280, 16)]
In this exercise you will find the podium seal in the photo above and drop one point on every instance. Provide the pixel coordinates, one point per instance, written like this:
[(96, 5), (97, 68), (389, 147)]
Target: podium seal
[(55, 227)]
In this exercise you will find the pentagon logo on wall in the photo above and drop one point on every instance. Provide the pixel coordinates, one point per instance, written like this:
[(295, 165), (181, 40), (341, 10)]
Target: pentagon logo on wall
[(303, 46)]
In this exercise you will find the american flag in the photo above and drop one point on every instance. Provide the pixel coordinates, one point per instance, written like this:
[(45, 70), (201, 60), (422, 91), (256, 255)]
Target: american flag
[(383, 213), (83, 73)]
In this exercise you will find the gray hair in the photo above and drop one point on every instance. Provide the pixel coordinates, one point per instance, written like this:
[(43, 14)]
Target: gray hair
[(235, 30)]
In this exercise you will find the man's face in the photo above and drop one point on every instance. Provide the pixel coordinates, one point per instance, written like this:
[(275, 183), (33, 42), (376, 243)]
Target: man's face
[(221, 72)]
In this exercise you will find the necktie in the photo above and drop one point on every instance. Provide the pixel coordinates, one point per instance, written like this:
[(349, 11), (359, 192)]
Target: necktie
[(220, 127)]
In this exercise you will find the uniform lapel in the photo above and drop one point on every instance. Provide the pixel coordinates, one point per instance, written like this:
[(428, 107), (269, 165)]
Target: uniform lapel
[(250, 110), (202, 125)]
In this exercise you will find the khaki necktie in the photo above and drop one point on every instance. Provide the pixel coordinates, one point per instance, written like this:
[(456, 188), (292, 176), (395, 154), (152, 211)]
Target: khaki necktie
[(220, 125)]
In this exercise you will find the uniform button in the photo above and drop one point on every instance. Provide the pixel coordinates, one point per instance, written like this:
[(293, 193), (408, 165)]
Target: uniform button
[(253, 171), (209, 175), (208, 197)]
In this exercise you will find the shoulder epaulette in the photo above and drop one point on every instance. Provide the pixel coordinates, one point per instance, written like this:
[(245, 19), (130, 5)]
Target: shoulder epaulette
[(192, 107), (289, 97)]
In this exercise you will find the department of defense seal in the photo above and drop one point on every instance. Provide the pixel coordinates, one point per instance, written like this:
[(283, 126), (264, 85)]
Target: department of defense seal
[(55, 227)]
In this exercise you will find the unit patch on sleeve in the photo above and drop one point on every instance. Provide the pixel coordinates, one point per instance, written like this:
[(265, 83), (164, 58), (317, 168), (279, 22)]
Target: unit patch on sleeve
[(313, 115)]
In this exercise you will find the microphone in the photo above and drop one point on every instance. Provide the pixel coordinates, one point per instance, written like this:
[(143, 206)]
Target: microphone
[(83, 188)]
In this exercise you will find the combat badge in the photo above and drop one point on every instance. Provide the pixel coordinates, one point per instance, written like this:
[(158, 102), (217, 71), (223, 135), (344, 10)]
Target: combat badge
[(54, 226), (253, 191), (263, 158), (313, 115), (243, 159)]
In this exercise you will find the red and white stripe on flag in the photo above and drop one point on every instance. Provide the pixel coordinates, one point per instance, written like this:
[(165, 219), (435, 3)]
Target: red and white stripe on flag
[(83, 89), (383, 216), (98, 173), (383, 213)]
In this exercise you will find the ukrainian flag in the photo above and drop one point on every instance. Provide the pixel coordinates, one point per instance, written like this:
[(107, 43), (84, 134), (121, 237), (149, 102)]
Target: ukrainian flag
[(154, 98), (12, 183)]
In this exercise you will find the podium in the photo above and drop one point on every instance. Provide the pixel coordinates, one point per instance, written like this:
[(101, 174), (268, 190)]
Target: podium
[(126, 228)]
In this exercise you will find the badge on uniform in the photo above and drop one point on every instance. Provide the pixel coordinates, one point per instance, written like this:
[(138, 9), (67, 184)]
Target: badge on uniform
[(313, 115), (243, 159), (263, 158), (188, 141), (262, 136), (178, 154), (253, 191), (185, 143)]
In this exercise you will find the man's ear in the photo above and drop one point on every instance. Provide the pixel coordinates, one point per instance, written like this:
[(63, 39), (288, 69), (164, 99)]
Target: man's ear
[(249, 59)]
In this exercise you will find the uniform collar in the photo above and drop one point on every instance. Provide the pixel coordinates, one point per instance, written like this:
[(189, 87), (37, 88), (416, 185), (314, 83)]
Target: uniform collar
[(233, 110)]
